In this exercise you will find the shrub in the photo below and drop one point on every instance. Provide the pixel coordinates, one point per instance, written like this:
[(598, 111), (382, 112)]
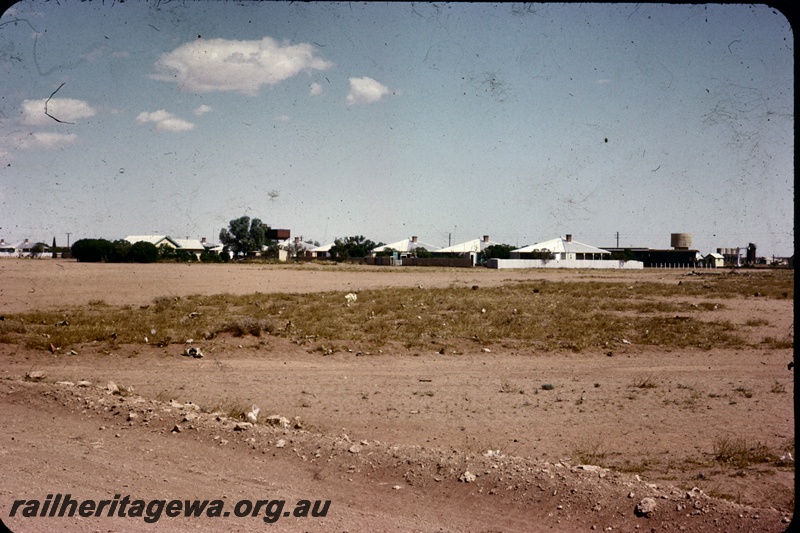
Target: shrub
[(92, 250), (143, 252)]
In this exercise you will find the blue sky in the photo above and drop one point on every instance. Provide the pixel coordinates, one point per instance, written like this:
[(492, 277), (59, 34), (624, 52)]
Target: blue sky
[(448, 122)]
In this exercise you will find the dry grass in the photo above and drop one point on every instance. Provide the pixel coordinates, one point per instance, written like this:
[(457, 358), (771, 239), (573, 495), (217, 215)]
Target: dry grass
[(543, 315), (741, 453)]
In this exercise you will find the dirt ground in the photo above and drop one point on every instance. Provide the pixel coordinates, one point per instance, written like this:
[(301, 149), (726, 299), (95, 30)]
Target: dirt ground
[(391, 437)]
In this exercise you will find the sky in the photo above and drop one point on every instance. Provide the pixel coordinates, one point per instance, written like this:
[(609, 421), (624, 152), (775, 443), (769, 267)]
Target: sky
[(615, 123)]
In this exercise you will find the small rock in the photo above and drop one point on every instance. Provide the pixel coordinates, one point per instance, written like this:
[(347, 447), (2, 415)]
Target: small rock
[(112, 387), (242, 426), (65, 383), (132, 416), (35, 375), (355, 448), (278, 420), (73, 352), (397, 487), (645, 508), (252, 415), (84, 383), (193, 352), (280, 444), (176, 429), (467, 477)]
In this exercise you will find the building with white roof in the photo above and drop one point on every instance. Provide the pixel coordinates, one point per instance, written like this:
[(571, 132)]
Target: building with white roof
[(405, 247)]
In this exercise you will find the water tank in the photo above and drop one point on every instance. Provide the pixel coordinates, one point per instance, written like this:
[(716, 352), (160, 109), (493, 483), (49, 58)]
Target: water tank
[(681, 241)]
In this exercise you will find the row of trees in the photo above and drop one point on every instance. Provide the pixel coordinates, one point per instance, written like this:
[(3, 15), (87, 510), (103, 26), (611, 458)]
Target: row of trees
[(122, 251)]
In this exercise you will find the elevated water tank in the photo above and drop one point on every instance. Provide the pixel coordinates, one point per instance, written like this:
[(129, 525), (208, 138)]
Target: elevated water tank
[(681, 241)]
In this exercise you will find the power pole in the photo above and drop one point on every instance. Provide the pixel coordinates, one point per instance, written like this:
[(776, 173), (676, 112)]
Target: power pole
[(617, 239), (68, 234)]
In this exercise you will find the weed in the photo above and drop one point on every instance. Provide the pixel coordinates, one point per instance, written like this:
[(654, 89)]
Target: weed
[(741, 453), (592, 454), (778, 388), (547, 386), (645, 382)]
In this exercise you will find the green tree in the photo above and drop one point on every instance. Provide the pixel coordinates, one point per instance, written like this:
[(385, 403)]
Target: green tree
[(243, 235), (91, 250), (120, 251), (143, 252), (421, 252), (497, 251), (355, 246)]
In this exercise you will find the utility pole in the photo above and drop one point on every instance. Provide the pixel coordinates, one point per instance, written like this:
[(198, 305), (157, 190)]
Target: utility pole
[(68, 234), (617, 239)]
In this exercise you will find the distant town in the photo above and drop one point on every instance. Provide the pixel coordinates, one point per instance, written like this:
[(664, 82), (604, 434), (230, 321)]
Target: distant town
[(247, 239)]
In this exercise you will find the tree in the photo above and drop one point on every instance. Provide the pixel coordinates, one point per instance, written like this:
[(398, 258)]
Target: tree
[(119, 252), (243, 235), (143, 252), (421, 252), (497, 251), (355, 246), (91, 250)]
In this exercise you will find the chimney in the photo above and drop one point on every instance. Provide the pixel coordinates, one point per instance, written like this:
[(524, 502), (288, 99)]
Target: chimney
[(2, 242), (414, 239), (569, 237), (485, 238), (26, 241), (203, 240)]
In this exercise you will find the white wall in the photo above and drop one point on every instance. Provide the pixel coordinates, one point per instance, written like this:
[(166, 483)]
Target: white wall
[(564, 263)]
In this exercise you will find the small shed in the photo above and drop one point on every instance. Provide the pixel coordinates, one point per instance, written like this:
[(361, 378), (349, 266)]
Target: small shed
[(714, 260)]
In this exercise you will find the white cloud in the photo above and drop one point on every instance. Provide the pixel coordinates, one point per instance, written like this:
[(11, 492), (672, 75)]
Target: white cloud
[(203, 109), (42, 139), (365, 91), (64, 109), (316, 89), (226, 65), (164, 121)]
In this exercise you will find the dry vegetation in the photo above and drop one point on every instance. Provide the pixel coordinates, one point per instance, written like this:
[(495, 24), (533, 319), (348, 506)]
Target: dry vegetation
[(546, 315)]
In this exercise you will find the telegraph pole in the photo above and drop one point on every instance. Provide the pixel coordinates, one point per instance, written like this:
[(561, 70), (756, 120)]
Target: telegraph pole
[(617, 239), (68, 234)]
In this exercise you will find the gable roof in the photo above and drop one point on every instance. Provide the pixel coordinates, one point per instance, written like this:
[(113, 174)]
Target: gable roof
[(475, 245), (152, 239), (406, 245), (190, 244), (560, 245)]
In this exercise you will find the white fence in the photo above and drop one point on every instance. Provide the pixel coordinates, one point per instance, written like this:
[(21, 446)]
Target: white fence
[(564, 263)]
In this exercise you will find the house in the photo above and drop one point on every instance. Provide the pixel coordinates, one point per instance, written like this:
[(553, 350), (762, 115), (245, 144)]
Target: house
[(192, 246), (7, 249), (404, 248), (560, 250), (157, 240), (321, 252), (295, 249), (714, 260), (562, 253), (24, 249), (472, 249)]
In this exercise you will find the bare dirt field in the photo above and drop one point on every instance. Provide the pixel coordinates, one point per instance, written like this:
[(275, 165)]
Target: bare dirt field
[(686, 426)]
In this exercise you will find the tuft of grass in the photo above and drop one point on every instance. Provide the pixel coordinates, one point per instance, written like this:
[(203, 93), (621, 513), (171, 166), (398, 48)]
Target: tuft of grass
[(592, 454), (644, 382), (547, 386), (232, 408), (742, 453)]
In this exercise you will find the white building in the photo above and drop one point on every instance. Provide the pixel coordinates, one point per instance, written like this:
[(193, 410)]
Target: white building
[(471, 248), (404, 248), (562, 253)]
